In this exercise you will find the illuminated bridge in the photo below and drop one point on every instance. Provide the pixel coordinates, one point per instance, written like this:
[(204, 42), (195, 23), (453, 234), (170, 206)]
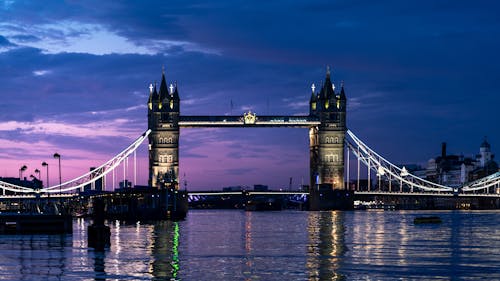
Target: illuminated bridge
[(337, 155)]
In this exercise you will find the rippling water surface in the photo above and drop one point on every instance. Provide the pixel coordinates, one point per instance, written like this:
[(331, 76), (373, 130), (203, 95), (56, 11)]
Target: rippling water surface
[(287, 245)]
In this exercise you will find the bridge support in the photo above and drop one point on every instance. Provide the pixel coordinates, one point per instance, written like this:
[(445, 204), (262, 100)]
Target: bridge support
[(324, 198), (326, 146), (98, 234), (163, 121)]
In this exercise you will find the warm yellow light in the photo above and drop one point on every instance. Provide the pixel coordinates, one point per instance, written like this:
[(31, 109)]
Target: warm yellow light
[(327, 104), (338, 104), (150, 105), (159, 105), (171, 104), (313, 105)]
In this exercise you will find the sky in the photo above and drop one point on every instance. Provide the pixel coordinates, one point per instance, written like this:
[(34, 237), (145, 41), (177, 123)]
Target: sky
[(74, 79)]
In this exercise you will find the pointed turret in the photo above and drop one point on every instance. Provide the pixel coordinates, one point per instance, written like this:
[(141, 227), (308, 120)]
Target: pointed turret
[(176, 93), (342, 98), (327, 90), (313, 102), (150, 99), (163, 87), (342, 93), (155, 97)]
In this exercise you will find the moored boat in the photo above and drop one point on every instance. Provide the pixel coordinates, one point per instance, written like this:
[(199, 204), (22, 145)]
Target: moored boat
[(427, 219)]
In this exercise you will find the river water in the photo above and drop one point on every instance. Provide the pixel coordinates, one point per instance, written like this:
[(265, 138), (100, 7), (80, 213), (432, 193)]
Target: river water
[(286, 245)]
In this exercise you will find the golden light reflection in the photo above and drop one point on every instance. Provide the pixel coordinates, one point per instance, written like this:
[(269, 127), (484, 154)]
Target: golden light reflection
[(248, 232), (326, 246), (404, 238)]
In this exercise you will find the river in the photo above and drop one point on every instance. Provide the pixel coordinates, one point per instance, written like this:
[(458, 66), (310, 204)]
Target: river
[(285, 245)]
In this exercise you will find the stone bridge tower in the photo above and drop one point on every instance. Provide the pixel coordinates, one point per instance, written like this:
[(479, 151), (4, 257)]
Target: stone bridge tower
[(327, 139), (163, 121)]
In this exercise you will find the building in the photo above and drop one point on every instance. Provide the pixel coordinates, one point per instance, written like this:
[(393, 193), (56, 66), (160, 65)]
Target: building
[(34, 183), (163, 121), (327, 139), (96, 186), (455, 170)]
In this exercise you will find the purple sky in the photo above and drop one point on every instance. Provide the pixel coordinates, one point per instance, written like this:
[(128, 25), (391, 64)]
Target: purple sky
[(74, 79)]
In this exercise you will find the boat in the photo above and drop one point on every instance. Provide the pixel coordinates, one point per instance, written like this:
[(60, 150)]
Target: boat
[(32, 223), (36, 222), (427, 219), (262, 203)]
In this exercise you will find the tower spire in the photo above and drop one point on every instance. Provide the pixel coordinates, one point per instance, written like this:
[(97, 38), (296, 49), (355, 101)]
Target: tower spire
[(163, 86)]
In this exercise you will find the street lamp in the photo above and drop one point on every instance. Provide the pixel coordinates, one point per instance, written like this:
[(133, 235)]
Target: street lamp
[(21, 170), (58, 156), (44, 164)]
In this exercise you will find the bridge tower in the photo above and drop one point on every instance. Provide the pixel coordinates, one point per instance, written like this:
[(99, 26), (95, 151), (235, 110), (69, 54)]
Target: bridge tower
[(327, 146), (327, 139), (163, 121)]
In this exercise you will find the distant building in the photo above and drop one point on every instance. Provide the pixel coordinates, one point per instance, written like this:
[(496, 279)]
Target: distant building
[(232, 188), (455, 170), (34, 183), (125, 184), (260, 187), (97, 185)]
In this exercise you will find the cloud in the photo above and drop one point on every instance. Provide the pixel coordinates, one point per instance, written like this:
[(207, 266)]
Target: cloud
[(41, 72), (54, 128), (77, 37)]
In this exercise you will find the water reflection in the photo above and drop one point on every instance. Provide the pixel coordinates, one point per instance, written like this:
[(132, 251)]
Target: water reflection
[(165, 263), (234, 245), (327, 246), (99, 265)]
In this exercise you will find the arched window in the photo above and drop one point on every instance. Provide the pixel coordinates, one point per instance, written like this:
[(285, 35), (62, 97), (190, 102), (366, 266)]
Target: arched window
[(335, 158), (336, 139), (170, 159), (169, 140)]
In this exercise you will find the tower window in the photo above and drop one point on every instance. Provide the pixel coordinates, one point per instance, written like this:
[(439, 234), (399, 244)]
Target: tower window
[(336, 139), (170, 159)]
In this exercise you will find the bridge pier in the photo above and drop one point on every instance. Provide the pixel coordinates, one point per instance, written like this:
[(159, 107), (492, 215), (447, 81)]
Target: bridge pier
[(99, 235), (323, 197)]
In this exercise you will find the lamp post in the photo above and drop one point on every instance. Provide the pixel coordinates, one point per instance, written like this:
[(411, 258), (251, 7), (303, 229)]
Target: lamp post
[(44, 164), (21, 170), (58, 156)]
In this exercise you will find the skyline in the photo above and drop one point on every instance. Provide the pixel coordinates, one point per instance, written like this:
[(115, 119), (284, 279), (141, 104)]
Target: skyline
[(74, 80)]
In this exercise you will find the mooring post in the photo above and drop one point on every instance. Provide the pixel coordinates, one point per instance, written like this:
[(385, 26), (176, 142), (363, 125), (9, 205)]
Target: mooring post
[(98, 233)]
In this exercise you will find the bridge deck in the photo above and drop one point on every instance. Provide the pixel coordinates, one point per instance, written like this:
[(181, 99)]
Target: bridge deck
[(240, 121)]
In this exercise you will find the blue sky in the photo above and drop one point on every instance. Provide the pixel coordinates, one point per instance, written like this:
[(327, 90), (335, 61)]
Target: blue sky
[(74, 79)]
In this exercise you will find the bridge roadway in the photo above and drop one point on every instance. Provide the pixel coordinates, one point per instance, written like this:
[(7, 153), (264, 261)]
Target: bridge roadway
[(374, 193), (251, 192), (246, 121)]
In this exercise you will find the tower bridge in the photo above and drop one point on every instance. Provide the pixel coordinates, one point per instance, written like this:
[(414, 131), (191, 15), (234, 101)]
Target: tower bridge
[(331, 145), (326, 123)]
